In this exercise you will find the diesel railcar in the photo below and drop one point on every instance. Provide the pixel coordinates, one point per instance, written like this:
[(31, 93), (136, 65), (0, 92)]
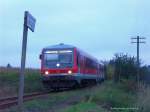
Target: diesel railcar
[(64, 66)]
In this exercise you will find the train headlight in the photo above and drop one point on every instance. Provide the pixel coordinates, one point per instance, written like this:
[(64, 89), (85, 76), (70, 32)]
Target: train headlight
[(69, 72), (57, 64), (46, 72)]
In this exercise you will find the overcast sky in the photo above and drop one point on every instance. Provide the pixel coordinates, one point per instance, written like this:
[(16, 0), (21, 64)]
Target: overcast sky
[(99, 27)]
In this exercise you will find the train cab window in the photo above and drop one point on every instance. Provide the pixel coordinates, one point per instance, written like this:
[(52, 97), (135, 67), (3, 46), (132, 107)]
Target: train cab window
[(65, 58), (51, 57)]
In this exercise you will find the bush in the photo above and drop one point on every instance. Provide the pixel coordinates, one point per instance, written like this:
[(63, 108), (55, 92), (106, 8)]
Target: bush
[(125, 67)]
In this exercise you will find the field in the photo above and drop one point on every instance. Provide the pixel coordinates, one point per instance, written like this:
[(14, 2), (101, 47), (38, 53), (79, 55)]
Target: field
[(106, 97), (9, 81)]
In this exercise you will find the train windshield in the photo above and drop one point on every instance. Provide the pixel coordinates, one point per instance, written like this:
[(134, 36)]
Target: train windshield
[(58, 59)]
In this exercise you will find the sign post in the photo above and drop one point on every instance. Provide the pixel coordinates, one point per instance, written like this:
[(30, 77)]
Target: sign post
[(29, 22)]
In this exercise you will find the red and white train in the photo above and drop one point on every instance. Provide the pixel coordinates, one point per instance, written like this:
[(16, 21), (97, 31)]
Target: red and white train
[(67, 66)]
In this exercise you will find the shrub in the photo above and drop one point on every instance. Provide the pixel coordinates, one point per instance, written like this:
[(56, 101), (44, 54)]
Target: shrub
[(125, 67)]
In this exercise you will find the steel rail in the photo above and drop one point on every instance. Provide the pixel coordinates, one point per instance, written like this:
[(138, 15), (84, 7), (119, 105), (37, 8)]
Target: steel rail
[(11, 101)]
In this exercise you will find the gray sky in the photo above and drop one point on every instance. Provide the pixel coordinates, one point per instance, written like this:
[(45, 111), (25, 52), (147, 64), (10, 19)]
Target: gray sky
[(99, 27)]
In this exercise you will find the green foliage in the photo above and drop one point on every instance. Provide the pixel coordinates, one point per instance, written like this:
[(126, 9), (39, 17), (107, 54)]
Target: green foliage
[(109, 71), (33, 82), (125, 67), (96, 99), (8, 76), (114, 96), (39, 105)]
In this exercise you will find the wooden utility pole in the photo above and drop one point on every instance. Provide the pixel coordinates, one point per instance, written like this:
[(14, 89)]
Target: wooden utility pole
[(138, 41)]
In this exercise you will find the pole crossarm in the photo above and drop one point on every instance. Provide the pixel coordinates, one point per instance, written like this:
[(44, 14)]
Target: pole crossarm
[(142, 42)]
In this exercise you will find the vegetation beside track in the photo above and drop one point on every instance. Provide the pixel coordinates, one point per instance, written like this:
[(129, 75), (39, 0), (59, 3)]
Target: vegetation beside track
[(95, 99), (9, 81)]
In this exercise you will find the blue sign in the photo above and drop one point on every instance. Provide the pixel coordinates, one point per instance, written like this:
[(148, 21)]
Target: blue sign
[(30, 21)]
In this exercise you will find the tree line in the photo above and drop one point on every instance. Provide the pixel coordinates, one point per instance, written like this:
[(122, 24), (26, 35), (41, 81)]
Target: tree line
[(124, 67)]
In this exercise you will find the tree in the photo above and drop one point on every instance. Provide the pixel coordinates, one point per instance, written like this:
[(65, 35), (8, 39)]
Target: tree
[(125, 67), (8, 65)]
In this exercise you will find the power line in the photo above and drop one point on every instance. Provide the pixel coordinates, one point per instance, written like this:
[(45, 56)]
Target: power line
[(138, 40)]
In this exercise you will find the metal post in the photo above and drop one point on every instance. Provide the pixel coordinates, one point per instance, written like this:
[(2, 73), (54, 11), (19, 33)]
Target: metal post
[(23, 58)]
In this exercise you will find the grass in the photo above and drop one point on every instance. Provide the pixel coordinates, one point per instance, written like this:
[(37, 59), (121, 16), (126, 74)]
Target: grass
[(104, 97), (96, 99), (113, 96), (143, 101), (99, 98), (85, 107), (9, 81)]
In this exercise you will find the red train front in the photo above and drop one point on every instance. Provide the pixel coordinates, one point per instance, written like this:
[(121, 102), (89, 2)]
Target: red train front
[(66, 66)]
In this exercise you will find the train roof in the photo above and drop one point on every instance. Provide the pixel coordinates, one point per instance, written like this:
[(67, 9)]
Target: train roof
[(60, 46)]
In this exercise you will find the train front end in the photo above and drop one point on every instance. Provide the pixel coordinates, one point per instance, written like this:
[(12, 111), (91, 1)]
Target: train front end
[(58, 66)]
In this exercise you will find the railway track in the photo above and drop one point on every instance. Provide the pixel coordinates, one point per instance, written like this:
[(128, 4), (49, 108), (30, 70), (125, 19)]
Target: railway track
[(11, 101)]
